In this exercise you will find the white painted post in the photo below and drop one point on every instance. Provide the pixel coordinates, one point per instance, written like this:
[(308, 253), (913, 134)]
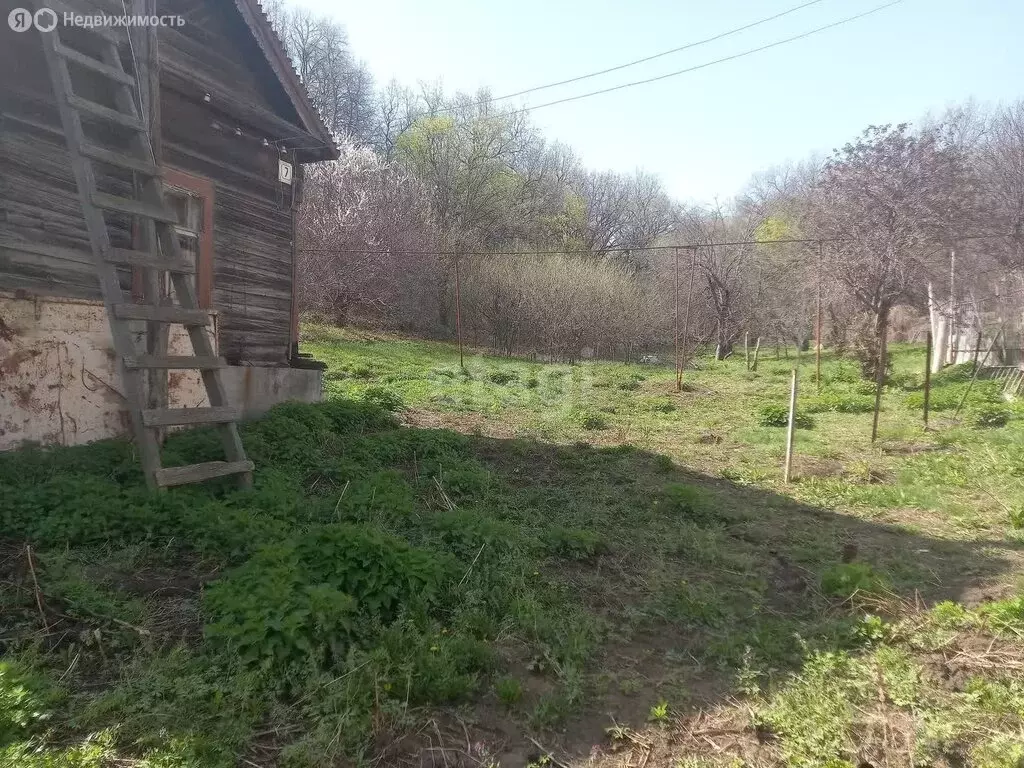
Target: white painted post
[(790, 429)]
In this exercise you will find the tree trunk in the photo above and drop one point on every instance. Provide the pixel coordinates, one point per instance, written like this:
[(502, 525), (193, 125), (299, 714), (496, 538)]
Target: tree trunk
[(881, 339), (723, 350), (339, 310)]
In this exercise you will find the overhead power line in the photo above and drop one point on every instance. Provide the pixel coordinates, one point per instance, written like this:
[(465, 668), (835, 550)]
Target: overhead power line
[(616, 249), (707, 64), (634, 62)]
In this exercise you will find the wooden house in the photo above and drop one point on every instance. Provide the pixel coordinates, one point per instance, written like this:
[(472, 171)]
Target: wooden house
[(228, 127)]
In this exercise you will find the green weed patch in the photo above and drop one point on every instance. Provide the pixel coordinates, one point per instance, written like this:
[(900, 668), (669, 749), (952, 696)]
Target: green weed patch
[(376, 573)]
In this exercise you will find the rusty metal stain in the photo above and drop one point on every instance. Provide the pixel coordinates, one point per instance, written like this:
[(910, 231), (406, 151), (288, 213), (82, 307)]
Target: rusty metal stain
[(13, 362)]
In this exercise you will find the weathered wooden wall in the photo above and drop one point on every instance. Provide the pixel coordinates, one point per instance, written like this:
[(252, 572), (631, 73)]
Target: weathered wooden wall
[(43, 244), (44, 247)]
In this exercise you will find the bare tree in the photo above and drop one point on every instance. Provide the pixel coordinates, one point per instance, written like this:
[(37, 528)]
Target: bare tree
[(1001, 172), (890, 203), (727, 273), (620, 211), (339, 87)]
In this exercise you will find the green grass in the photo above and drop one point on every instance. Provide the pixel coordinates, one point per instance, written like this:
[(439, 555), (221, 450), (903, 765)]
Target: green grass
[(540, 540)]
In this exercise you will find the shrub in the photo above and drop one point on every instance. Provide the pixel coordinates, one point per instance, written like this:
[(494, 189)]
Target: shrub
[(575, 543), (904, 380), (347, 416), (269, 614), (371, 494), (841, 372), (836, 402), (466, 481), (299, 604), (589, 420), (845, 579), (687, 501), (778, 416), (387, 399), (661, 405), (291, 433), (465, 533), (864, 387), (950, 615), (987, 415), (948, 397), (509, 690), (864, 348), (24, 701), (1005, 615), (954, 373), (502, 377), (76, 507), (1016, 515), (380, 571), (938, 400)]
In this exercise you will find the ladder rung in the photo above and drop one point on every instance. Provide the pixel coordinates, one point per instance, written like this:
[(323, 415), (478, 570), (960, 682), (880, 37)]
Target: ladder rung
[(147, 260), (162, 314), (195, 473), (115, 74), (105, 113), (134, 207), (170, 417), (197, 362), (119, 159)]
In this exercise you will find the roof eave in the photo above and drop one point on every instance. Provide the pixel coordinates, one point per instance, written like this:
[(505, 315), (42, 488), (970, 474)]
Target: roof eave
[(276, 55)]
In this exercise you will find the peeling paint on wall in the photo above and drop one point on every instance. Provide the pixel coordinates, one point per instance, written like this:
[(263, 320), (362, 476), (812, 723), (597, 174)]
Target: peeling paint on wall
[(59, 377)]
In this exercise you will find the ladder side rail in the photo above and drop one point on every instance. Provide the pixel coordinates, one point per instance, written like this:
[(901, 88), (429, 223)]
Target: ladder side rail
[(96, 225)]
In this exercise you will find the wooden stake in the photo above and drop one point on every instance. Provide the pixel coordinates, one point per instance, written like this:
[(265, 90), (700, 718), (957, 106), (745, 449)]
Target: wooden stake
[(746, 348), (790, 429), (953, 330), (686, 317), (39, 593), (880, 376), (458, 312), (927, 376), (757, 349), (817, 328), (675, 320)]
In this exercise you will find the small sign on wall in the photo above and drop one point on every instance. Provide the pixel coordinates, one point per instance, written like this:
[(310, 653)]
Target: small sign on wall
[(284, 172)]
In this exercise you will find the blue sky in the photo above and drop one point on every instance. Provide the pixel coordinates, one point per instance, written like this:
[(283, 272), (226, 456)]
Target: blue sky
[(705, 132)]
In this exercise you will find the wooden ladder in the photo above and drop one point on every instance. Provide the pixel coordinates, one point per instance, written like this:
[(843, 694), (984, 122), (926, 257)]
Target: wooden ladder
[(161, 254)]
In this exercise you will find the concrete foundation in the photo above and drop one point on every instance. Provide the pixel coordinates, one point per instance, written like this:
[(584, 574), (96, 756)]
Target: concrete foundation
[(257, 390), (60, 383)]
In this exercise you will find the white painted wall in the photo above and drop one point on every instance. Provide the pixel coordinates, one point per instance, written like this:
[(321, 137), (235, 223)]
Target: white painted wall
[(60, 383), (59, 379)]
